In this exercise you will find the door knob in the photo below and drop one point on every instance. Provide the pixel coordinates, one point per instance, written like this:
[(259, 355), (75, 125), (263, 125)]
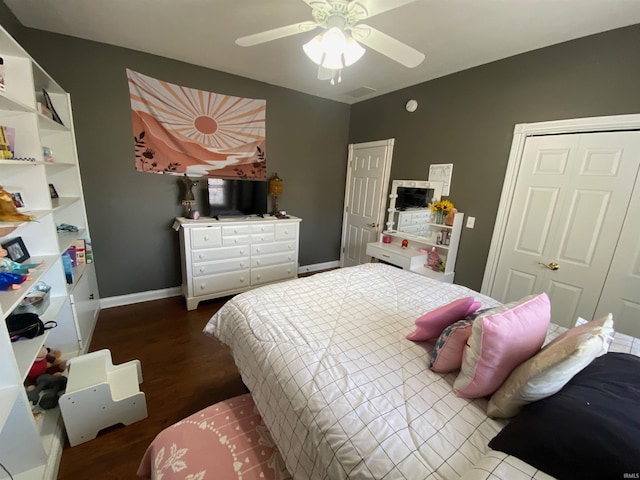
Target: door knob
[(372, 225), (550, 266)]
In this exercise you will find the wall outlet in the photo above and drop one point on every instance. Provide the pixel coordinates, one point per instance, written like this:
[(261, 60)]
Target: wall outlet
[(471, 221)]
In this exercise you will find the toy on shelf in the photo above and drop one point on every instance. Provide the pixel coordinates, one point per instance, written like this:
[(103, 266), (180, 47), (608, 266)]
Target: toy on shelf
[(11, 281), (45, 381), (8, 210), (8, 265)]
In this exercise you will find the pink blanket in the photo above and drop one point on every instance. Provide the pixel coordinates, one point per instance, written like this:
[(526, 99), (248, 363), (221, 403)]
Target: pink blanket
[(226, 440)]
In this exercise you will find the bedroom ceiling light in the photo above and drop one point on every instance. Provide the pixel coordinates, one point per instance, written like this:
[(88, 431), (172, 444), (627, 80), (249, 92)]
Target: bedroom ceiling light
[(333, 50)]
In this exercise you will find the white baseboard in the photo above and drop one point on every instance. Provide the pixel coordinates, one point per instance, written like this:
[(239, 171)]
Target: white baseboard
[(139, 297), (147, 296), (318, 266)]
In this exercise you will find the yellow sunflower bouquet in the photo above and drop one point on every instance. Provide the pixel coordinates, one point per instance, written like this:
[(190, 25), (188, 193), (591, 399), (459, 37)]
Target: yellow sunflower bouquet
[(440, 209)]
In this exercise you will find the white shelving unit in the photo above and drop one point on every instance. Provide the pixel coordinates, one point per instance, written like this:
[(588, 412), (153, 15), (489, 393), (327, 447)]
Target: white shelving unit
[(31, 446)]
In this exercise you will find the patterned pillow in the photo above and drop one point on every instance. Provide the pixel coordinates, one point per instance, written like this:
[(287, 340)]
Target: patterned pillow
[(430, 325), (447, 351)]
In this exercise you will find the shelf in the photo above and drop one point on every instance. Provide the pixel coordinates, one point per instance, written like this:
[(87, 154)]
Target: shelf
[(7, 103), (57, 165), (50, 126), (65, 240), (62, 202), (10, 299)]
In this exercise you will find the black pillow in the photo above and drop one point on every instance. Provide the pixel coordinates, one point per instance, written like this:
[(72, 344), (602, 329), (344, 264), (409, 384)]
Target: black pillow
[(589, 430)]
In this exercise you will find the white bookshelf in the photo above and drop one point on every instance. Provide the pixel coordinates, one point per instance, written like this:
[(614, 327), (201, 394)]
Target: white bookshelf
[(31, 446)]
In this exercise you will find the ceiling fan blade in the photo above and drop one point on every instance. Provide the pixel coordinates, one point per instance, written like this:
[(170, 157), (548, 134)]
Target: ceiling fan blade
[(386, 45), (318, 4), (377, 7), (275, 33)]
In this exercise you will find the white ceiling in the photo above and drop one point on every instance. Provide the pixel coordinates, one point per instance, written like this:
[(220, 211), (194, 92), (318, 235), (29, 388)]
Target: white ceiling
[(453, 34)]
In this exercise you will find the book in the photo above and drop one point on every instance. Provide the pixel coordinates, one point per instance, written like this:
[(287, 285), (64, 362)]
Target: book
[(7, 142), (81, 249), (2, 85)]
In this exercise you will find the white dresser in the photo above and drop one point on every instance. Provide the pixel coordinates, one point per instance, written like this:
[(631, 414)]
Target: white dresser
[(223, 257)]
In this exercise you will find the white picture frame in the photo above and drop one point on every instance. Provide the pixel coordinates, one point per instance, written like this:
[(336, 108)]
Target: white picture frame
[(441, 172)]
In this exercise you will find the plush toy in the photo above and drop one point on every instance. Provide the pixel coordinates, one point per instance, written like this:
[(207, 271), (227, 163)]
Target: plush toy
[(55, 364), (39, 365), (8, 210), (45, 381)]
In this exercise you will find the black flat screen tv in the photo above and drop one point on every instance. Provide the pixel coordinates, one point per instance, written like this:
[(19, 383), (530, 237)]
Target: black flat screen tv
[(410, 197), (235, 198)]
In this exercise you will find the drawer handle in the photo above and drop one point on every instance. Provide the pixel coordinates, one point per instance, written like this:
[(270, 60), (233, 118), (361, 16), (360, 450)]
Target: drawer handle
[(289, 257), (206, 237), (258, 262), (202, 269), (242, 264), (257, 250), (235, 231), (258, 277), (241, 279), (202, 286), (386, 256), (241, 252), (289, 270), (289, 247), (262, 239), (201, 255)]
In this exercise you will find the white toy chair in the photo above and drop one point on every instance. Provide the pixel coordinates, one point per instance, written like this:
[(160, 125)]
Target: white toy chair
[(100, 394)]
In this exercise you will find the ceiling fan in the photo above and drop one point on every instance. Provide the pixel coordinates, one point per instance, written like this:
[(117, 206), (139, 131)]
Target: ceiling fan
[(337, 47)]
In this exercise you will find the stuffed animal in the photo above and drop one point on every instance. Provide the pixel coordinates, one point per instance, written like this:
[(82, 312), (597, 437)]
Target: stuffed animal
[(8, 210), (39, 365), (55, 365)]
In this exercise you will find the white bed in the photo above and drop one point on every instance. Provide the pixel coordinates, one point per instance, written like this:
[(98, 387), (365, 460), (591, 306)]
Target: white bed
[(342, 391)]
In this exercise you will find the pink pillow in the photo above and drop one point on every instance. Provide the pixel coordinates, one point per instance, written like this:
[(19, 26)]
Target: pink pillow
[(430, 325), (501, 339)]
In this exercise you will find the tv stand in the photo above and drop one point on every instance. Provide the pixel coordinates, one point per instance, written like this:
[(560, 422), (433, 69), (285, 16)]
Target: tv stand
[(230, 255)]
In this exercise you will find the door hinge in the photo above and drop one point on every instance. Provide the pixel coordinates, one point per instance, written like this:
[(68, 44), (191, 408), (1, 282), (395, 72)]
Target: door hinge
[(343, 249)]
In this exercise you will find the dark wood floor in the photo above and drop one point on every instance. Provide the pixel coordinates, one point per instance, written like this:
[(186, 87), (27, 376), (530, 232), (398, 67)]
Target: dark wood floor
[(184, 371)]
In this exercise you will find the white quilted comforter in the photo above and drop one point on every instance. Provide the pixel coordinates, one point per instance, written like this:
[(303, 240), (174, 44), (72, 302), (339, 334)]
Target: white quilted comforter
[(342, 391)]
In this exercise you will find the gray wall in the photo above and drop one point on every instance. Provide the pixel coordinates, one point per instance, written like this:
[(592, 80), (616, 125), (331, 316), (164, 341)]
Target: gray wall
[(468, 118), (130, 213)]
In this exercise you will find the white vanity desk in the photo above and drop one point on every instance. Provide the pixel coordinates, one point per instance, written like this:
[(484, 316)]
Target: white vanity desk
[(415, 225)]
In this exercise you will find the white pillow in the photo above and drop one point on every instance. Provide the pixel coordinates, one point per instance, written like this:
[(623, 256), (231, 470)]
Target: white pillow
[(550, 369)]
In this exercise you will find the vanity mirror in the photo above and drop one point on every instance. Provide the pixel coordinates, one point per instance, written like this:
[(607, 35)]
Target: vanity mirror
[(408, 210)]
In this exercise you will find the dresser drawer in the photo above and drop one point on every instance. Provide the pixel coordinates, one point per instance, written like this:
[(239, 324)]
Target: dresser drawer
[(258, 238), (220, 283), (273, 259), (228, 241), (230, 230), (274, 247), (220, 253), (206, 237), (263, 228), (272, 274), (222, 266), (390, 254), (286, 231)]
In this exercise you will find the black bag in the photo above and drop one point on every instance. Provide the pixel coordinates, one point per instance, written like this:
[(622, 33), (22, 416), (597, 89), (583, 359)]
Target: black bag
[(26, 325)]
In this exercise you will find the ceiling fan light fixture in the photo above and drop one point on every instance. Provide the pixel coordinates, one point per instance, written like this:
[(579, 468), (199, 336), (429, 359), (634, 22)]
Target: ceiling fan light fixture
[(314, 49), (353, 52)]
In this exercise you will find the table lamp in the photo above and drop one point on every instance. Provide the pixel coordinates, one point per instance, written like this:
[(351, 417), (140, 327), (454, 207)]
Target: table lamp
[(275, 191)]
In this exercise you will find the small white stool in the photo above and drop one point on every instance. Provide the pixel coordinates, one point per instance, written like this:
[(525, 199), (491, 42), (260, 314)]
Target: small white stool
[(100, 394)]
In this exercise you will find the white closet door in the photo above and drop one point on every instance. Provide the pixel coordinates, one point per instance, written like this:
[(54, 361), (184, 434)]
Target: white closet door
[(567, 211), (621, 294)]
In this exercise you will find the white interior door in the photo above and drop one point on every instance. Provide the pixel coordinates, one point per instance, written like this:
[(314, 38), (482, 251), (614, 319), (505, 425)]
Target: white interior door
[(366, 190), (621, 293), (569, 203)]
